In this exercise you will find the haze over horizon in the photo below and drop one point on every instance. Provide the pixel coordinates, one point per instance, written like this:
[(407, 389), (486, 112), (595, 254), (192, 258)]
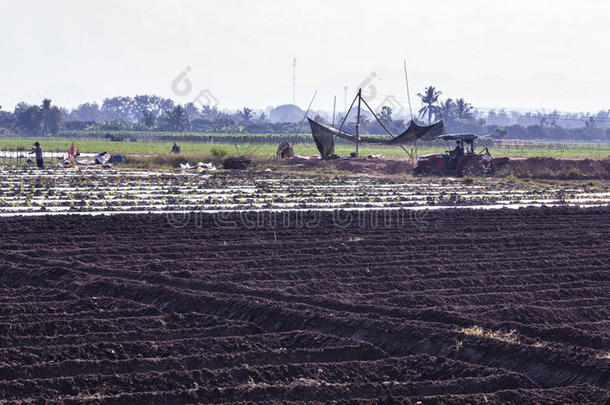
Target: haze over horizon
[(517, 55)]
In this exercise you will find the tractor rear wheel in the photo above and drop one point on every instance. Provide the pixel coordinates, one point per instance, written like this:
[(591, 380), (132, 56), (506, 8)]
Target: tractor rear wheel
[(471, 167), (418, 170)]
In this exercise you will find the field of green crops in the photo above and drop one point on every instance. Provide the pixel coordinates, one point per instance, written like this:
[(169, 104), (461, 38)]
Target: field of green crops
[(267, 149)]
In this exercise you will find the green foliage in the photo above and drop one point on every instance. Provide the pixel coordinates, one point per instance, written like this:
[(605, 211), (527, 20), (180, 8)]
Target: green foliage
[(501, 132), (152, 118), (385, 115), (245, 115), (429, 99), (463, 110), (38, 120), (148, 119), (218, 152), (267, 145), (176, 120)]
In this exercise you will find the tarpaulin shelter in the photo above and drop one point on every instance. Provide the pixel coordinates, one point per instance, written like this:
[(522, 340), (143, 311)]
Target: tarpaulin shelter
[(325, 135)]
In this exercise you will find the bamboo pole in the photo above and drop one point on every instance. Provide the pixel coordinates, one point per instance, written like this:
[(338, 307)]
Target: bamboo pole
[(306, 112), (358, 121), (334, 109), (408, 94), (414, 147)]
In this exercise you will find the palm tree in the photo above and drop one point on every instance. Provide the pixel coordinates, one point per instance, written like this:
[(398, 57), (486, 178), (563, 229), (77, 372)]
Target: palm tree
[(447, 109), (245, 115), (385, 115), (429, 100), (463, 110)]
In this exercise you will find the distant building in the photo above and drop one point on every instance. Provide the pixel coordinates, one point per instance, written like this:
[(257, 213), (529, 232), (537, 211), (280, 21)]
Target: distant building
[(286, 113)]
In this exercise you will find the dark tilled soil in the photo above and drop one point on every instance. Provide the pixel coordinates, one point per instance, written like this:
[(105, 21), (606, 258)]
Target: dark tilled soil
[(362, 165), (562, 169), (450, 307), (535, 168)]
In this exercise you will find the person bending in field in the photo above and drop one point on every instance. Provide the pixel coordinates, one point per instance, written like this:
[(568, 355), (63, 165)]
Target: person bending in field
[(175, 148), (37, 150)]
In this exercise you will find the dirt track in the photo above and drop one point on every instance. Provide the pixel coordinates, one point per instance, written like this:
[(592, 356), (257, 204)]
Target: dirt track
[(513, 307)]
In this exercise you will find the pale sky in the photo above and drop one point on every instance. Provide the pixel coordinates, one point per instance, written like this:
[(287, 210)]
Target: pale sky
[(516, 54)]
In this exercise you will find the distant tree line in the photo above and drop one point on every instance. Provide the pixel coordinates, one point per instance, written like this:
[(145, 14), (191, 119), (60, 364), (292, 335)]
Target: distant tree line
[(461, 117), (44, 119), (152, 113)]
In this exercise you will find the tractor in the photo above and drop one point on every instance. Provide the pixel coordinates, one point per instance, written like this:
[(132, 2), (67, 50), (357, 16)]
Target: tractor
[(468, 163)]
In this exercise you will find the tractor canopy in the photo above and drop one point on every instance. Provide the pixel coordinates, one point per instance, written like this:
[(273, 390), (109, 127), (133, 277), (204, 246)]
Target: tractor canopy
[(458, 137)]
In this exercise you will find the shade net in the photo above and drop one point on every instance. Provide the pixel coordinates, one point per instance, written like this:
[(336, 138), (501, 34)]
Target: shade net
[(324, 135)]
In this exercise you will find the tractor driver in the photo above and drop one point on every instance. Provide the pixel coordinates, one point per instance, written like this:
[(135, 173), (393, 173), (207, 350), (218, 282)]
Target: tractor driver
[(456, 153)]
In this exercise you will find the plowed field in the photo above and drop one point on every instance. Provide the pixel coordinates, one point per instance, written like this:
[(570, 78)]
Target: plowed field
[(450, 306)]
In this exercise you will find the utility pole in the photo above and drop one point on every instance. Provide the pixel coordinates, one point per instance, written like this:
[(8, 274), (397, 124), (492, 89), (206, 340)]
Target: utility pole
[(294, 81), (334, 108)]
